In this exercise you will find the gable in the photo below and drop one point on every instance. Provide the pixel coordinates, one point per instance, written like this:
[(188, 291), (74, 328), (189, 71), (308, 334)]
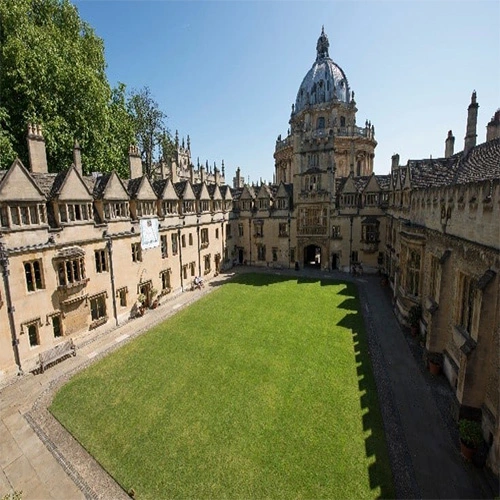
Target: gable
[(17, 184), (349, 186), (246, 194), (188, 193), (217, 194), (372, 185), (115, 190), (264, 193), (146, 191), (281, 193), (73, 187), (204, 194), (227, 195), (169, 192)]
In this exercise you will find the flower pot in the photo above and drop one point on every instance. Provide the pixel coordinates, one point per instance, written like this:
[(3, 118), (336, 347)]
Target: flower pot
[(466, 451), (434, 368)]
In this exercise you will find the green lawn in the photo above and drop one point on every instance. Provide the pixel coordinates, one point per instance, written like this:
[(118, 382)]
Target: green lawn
[(262, 389)]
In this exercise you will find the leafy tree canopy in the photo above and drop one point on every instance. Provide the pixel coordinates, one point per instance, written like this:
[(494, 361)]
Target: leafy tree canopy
[(152, 137), (52, 72)]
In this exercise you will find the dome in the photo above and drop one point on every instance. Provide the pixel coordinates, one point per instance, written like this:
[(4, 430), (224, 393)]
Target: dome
[(324, 82)]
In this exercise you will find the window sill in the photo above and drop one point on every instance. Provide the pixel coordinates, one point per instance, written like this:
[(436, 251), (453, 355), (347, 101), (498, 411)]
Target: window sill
[(98, 322)]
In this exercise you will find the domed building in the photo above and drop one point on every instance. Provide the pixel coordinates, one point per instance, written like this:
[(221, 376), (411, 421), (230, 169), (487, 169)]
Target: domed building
[(323, 149)]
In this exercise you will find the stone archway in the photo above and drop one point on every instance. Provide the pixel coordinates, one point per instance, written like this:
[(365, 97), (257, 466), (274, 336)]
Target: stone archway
[(312, 256)]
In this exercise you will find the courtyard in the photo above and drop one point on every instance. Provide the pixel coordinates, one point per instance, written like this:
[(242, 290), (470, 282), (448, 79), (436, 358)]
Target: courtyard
[(42, 459), (262, 389)]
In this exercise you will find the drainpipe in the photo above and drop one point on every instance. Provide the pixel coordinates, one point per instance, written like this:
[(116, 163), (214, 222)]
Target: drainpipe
[(250, 237), (199, 249), (109, 246), (179, 248), (350, 246), (289, 231), (222, 254), (4, 262)]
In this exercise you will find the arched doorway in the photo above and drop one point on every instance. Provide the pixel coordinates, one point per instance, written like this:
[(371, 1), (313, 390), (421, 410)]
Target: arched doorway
[(312, 256)]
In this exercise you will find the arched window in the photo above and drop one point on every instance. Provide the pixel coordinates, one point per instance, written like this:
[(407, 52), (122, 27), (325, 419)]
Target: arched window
[(342, 121), (358, 169), (320, 123)]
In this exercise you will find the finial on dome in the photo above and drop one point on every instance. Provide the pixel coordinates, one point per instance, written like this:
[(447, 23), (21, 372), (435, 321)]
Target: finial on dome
[(322, 45)]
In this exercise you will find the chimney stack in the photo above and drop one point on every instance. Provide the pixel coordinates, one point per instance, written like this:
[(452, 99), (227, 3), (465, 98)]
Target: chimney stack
[(77, 157), (395, 161), (471, 134), (449, 145), (493, 128), (134, 162), (36, 149), (237, 179)]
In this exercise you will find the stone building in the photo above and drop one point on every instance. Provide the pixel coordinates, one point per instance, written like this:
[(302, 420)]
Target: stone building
[(78, 251), (327, 206)]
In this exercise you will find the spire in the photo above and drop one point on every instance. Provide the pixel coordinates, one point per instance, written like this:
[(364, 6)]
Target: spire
[(322, 45)]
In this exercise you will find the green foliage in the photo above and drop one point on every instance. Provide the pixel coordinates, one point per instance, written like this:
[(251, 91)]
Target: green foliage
[(152, 136), (470, 432), (231, 399), (52, 72), (15, 495)]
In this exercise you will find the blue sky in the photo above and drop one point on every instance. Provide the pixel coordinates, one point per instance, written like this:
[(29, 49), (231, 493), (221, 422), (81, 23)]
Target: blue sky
[(227, 72)]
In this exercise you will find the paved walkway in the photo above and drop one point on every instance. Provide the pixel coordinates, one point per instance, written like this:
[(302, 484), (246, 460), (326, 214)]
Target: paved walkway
[(40, 458)]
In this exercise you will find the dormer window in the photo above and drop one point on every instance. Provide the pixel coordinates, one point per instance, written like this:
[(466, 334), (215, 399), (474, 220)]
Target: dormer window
[(217, 205), (246, 205), (169, 207), (263, 204), (74, 212), (188, 206), (116, 210), (23, 215), (372, 199), (205, 205), (281, 203), (145, 208)]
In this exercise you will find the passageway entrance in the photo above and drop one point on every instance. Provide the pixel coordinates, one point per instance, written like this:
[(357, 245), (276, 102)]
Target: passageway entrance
[(312, 256)]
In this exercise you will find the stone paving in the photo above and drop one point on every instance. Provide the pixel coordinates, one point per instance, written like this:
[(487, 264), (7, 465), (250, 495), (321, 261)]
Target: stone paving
[(39, 458)]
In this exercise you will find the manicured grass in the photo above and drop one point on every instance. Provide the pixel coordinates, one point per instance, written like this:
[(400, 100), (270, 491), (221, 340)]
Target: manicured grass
[(263, 389)]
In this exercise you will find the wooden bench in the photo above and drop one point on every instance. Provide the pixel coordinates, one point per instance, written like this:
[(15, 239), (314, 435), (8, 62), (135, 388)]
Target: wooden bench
[(56, 353)]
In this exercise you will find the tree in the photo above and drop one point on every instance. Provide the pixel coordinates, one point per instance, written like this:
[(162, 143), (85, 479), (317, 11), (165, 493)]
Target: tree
[(52, 72), (153, 138)]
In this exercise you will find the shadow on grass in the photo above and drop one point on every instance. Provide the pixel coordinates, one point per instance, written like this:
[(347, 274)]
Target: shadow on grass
[(266, 279), (375, 444)]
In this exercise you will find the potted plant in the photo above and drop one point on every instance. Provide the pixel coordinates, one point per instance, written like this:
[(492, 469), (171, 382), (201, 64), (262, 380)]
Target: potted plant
[(471, 436), (414, 318), (154, 303), (141, 299), (434, 362)]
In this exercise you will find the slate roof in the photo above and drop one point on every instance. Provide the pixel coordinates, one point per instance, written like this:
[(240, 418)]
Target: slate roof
[(481, 163), (100, 185), (159, 186), (44, 181), (133, 186), (384, 181), (179, 187)]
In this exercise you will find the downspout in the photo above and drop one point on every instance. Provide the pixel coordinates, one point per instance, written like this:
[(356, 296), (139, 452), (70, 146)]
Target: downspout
[(4, 262), (109, 246), (179, 247), (199, 249)]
